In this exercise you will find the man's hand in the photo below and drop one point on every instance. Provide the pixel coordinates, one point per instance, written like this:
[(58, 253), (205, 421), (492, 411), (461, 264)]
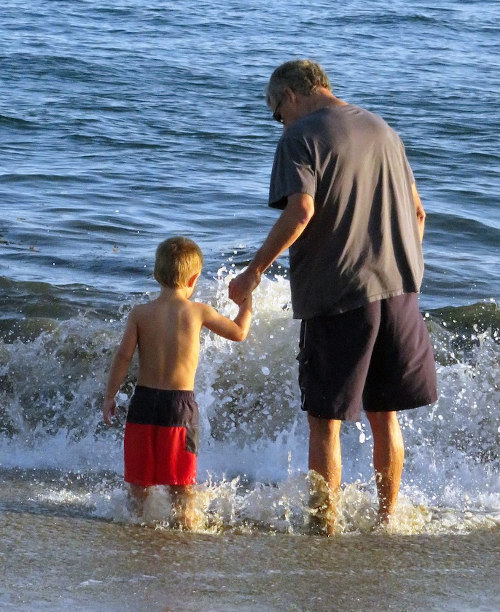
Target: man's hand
[(243, 284), (108, 410)]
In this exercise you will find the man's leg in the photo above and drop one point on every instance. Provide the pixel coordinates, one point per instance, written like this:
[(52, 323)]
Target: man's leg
[(388, 458), (325, 458)]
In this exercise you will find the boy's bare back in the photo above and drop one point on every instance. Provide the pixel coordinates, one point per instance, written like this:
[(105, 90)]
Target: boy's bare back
[(168, 339), (167, 333)]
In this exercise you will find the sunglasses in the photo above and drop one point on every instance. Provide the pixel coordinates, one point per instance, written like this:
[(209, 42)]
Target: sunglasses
[(276, 114)]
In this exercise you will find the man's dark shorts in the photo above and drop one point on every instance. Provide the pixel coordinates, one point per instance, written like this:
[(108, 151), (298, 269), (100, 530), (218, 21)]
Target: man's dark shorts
[(378, 357)]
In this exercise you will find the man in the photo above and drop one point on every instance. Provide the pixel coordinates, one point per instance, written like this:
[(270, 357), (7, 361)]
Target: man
[(353, 221)]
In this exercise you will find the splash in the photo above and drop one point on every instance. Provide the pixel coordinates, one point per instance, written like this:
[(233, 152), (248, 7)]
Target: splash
[(253, 451)]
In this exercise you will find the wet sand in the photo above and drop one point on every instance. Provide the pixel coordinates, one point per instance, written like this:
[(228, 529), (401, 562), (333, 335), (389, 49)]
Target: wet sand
[(60, 561)]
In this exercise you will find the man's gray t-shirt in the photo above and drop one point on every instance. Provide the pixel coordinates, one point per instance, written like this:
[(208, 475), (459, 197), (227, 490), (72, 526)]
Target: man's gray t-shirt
[(362, 243)]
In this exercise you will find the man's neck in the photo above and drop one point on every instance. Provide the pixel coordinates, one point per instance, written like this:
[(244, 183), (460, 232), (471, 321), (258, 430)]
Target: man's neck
[(304, 105), (321, 99)]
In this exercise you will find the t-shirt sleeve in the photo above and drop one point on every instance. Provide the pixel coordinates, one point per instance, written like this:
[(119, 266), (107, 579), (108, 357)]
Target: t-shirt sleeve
[(292, 172), (409, 171)]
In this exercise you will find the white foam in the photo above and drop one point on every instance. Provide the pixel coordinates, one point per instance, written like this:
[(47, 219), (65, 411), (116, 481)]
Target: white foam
[(251, 423)]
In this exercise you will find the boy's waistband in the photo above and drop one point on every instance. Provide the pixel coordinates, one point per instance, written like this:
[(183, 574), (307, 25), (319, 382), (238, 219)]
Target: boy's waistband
[(164, 393)]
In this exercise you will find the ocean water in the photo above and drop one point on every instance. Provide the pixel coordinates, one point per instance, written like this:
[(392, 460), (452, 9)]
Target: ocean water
[(121, 125)]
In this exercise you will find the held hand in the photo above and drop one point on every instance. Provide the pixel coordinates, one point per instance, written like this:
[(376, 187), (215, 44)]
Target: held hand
[(246, 300), (243, 285), (239, 301), (108, 410)]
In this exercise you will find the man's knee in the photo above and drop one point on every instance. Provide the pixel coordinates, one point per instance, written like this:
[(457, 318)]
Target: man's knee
[(324, 427), (382, 419), (385, 426)]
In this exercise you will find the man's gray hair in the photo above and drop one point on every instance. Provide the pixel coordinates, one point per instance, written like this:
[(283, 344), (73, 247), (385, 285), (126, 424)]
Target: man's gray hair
[(301, 76)]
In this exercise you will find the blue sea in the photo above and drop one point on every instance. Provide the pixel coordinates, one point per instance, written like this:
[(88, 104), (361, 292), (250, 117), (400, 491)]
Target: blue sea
[(125, 123)]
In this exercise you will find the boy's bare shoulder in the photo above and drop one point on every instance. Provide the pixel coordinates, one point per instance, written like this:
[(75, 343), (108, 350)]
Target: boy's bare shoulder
[(202, 308), (141, 313), (139, 309), (183, 308), (199, 305)]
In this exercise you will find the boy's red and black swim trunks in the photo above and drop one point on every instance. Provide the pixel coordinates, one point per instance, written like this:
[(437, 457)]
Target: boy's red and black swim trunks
[(161, 438)]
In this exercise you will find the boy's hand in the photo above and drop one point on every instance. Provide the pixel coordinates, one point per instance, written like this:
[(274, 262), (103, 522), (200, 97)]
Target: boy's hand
[(108, 410), (245, 299)]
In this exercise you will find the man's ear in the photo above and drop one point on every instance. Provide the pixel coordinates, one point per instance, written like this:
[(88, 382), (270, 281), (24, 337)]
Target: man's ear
[(289, 94), (192, 280)]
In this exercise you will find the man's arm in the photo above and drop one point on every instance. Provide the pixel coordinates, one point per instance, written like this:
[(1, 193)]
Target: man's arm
[(290, 225), (419, 210)]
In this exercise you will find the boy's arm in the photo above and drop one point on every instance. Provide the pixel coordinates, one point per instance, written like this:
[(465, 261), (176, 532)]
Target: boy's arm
[(119, 366), (237, 329)]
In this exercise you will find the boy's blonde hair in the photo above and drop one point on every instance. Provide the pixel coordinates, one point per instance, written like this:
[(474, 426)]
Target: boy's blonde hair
[(177, 259)]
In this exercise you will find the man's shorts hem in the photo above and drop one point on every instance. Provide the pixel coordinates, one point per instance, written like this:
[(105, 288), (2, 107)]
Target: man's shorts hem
[(409, 405), (340, 415)]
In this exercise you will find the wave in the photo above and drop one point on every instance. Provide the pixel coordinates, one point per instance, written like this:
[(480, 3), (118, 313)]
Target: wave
[(17, 123), (253, 433)]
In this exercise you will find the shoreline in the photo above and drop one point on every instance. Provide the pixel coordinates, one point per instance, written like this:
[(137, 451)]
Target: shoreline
[(60, 561)]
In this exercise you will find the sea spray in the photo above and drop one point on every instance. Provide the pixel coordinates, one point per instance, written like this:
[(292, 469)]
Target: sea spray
[(253, 452)]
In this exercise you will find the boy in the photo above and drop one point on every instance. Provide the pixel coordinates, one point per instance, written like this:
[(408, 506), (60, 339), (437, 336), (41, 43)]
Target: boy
[(161, 432)]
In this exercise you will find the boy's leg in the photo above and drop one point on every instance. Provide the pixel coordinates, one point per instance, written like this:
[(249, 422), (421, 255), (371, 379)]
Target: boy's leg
[(183, 500), (325, 459), (136, 497), (388, 458)]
